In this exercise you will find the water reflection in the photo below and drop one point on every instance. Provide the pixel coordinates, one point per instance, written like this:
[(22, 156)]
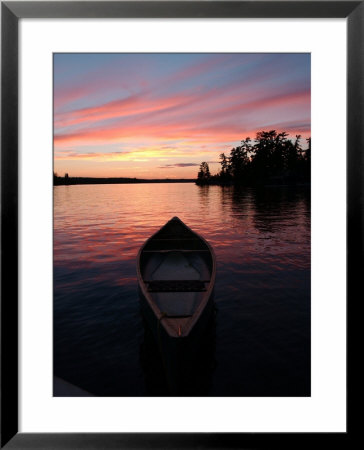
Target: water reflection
[(196, 365), (276, 208), (260, 343)]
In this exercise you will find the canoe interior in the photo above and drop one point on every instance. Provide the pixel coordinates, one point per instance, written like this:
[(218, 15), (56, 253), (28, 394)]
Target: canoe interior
[(176, 267)]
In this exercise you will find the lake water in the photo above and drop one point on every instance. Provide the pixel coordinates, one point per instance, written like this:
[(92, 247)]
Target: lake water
[(259, 338)]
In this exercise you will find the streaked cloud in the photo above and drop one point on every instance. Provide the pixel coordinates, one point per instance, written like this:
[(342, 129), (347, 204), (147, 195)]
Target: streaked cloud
[(128, 108), (172, 166)]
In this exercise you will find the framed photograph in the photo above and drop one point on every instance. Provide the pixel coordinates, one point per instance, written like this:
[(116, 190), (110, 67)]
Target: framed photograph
[(176, 260)]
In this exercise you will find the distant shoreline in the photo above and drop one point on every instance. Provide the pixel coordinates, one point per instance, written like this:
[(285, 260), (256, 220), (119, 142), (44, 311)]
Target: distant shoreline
[(70, 181)]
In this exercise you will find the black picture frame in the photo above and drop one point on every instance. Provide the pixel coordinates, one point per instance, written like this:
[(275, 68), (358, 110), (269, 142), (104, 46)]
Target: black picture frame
[(11, 12)]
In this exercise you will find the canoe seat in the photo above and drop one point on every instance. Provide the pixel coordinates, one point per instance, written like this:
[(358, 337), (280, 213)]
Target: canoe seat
[(176, 286)]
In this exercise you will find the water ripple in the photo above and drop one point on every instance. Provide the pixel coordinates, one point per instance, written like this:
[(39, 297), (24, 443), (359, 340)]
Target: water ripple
[(262, 292)]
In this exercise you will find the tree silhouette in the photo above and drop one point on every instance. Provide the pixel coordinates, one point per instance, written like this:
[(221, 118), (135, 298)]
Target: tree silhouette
[(225, 174), (272, 158), (240, 160), (204, 174), (307, 159)]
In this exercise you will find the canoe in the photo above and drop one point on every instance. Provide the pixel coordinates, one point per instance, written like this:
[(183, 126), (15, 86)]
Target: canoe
[(176, 270)]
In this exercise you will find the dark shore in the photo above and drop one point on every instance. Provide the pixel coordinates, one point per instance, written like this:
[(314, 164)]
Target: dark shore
[(65, 181), (260, 184)]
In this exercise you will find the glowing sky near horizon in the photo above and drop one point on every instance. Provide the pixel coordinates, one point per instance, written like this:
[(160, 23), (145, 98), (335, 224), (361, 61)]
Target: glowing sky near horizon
[(160, 115)]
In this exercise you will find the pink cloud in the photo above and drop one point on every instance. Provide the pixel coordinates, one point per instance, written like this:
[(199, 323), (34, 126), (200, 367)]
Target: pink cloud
[(130, 106)]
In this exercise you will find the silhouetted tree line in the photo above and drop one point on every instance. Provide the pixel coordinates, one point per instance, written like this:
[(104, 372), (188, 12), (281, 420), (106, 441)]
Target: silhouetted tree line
[(67, 180), (60, 180), (271, 158)]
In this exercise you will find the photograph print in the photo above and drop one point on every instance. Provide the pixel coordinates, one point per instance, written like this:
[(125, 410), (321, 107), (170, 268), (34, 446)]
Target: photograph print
[(182, 224)]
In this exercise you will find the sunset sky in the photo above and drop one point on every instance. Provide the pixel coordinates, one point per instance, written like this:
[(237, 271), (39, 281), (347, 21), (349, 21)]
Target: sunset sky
[(160, 115)]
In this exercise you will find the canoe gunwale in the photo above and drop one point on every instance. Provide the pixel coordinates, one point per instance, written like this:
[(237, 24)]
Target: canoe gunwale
[(206, 297)]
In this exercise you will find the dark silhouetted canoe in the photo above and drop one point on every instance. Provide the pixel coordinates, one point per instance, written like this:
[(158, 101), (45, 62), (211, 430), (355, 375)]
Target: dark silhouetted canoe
[(176, 271)]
